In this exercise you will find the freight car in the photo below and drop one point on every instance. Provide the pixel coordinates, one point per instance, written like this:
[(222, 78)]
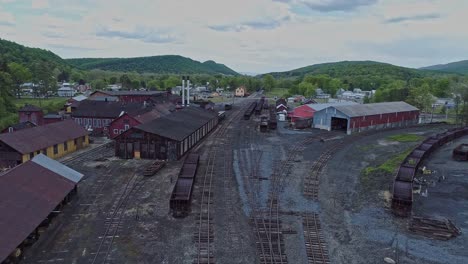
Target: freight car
[(249, 111), (265, 104), (259, 107), (402, 199), (181, 196), (460, 153), (272, 123), (263, 124)]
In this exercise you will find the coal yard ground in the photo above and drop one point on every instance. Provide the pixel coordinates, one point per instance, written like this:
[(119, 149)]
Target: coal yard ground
[(281, 196)]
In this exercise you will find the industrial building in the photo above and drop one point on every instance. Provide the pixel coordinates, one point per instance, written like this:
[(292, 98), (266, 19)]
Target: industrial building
[(125, 96), (362, 117), (54, 140), (168, 137), (31, 194)]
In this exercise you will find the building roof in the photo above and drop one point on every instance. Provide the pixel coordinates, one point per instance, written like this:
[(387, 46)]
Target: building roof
[(178, 125), (122, 93), (102, 109), (58, 168), (52, 116), (79, 98), (318, 107), (157, 112), (375, 109), (23, 125), (29, 108), (37, 138), (28, 194)]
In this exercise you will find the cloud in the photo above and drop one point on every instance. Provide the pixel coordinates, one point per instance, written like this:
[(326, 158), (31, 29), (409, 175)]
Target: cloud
[(6, 19), (140, 33), (51, 34), (412, 18), (39, 4), (334, 5), (259, 24)]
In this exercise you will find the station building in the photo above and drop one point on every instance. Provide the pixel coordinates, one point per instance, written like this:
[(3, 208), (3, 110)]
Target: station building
[(362, 117), (53, 140)]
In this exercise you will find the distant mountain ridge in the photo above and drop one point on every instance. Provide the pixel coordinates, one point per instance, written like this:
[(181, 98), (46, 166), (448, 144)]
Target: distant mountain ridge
[(164, 64), (356, 68), (455, 67)]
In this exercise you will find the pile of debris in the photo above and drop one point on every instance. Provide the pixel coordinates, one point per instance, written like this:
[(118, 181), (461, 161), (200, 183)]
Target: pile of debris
[(154, 168), (441, 229)]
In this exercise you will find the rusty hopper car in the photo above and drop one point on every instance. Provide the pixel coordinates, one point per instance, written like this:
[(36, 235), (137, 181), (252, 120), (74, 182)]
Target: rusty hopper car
[(460, 153), (249, 111), (181, 196), (402, 199)]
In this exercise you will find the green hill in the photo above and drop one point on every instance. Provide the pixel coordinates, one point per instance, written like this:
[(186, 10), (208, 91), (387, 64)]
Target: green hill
[(453, 67), (154, 64), (357, 69), (13, 52)]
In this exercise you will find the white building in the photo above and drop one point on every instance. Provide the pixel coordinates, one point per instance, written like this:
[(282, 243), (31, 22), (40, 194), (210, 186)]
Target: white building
[(66, 91)]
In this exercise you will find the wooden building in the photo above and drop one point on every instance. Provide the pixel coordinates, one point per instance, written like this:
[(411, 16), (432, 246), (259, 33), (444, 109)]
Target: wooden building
[(32, 114), (53, 140), (19, 126), (168, 137), (241, 91), (125, 96)]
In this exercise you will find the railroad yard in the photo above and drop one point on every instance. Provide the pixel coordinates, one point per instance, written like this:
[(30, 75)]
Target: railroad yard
[(281, 196)]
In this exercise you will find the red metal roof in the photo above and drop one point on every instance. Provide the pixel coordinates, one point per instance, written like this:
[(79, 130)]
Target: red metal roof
[(37, 138), (303, 111), (28, 194)]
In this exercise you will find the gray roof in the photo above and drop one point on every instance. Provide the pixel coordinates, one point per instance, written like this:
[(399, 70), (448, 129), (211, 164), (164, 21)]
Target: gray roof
[(58, 168), (179, 125), (318, 107), (375, 109)]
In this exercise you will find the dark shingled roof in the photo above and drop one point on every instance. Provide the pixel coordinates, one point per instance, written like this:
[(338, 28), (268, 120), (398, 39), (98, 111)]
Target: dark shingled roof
[(37, 138), (122, 93), (178, 125), (28, 194), (23, 125), (375, 109), (101, 109), (29, 108)]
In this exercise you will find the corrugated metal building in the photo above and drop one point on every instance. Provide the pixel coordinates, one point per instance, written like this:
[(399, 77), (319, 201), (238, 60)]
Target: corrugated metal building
[(362, 117), (29, 193), (168, 137), (54, 140)]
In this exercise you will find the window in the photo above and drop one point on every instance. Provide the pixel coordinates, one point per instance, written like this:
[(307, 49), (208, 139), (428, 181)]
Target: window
[(75, 141), (126, 127), (10, 129), (44, 151), (116, 131), (121, 131), (31, 155), (65, 146), (55, 149)]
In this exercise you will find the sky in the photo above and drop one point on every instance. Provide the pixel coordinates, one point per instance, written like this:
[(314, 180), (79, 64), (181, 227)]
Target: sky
[(255, 36)]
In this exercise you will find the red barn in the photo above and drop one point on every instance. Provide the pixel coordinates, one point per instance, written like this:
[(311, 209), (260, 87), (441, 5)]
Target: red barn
[(32, 114)]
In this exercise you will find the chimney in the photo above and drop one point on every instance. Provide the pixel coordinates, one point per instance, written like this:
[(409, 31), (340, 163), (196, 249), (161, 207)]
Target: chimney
[(183, 92), (188, 90)]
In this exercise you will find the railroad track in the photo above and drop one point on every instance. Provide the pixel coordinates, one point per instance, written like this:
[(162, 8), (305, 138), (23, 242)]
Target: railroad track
[(103, 151), (316, 247), (115, 218)]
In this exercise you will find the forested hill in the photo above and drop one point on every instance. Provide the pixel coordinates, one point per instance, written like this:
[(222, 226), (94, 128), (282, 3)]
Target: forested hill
[(455, 67), (357, 69), (13, 52), (154, 64)]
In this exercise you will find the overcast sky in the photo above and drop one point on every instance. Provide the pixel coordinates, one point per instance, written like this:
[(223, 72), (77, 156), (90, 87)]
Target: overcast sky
[(246, 35)]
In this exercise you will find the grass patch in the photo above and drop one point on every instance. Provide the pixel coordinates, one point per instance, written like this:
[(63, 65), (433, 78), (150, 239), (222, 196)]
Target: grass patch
[(405, 138), (390, 165), (278, 92)]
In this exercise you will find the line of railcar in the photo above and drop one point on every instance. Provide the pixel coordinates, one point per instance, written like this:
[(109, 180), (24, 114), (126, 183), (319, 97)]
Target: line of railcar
[(402, 199), (181, 196), (272, 122), (249, 111), (259, 107)]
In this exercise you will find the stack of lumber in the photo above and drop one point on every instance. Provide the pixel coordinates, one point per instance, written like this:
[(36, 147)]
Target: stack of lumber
[(154, 168), (441, 229)]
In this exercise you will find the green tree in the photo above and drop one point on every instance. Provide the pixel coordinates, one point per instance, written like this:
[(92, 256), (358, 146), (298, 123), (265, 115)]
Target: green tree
[(113, 80), (172, 81), (19, 74), (43, 75), (125, 81), (421, 98), (269, 82), (99, 84), (153, 85)]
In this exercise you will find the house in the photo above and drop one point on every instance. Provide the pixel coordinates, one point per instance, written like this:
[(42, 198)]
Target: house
[(241, 91), (97, 115), (66, 90), (361, 117), (72, 103), (305, 113), (126, 120), (19, 126), (54, 140), (168, 137), (114, 87), (31, 194), (32, 114), (281, 105)]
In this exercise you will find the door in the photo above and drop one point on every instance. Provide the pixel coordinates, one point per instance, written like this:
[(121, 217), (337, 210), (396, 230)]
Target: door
[(129, 151)]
